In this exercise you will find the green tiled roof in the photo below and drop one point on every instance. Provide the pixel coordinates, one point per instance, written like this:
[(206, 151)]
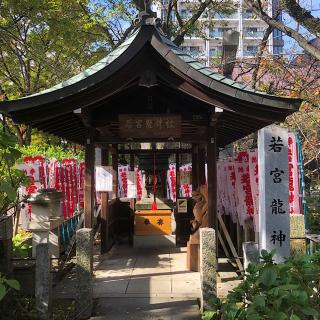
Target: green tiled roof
[(94, 68)]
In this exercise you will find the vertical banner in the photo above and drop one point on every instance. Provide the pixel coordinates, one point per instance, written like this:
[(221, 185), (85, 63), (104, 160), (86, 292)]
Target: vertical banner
[(294, 188), (254, 181), (274, 223)]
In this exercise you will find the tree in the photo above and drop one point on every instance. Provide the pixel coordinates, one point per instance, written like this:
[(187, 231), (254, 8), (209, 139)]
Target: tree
[(301, 15), (43, 42)]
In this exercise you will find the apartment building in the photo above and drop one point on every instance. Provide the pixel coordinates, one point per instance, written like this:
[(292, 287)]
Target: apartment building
[(208, 45)]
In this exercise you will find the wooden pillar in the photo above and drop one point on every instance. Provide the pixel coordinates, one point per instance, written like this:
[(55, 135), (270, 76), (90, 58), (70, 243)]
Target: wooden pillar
[(201, 165), (104, 207), (89, 189), (195, 167), (212, 178), (115, 168), (177, 174)]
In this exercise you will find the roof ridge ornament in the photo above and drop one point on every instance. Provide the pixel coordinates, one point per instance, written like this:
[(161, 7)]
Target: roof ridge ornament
[(147, 16)]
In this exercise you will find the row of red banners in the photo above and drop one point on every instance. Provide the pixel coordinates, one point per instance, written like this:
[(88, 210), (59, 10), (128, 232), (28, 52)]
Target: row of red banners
[(66, 176), (238, 187)]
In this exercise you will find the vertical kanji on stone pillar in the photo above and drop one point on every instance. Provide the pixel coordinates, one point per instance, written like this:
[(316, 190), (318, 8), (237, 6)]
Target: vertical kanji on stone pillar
[(208, 266), (84, 269)]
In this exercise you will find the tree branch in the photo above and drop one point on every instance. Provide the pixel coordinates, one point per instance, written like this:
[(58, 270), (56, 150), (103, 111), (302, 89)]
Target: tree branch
[(303, 42), (303, 16)]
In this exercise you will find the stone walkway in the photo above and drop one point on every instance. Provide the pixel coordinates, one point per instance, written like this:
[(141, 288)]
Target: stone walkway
[(145, 284), (132, 284)]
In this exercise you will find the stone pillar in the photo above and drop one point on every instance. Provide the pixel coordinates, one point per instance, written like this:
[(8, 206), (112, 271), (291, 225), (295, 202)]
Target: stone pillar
[(43, 283), (6, 231), (208, 266), (84, 268), (250, 253)]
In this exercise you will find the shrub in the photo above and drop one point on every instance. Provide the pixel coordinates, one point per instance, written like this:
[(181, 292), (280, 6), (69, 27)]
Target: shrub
[(288, 291)]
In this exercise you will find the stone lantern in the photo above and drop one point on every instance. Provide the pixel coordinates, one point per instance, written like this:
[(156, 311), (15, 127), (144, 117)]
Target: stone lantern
[(46, 219)]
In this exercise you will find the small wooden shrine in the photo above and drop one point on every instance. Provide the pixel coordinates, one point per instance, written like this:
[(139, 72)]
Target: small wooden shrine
[(149, 91)]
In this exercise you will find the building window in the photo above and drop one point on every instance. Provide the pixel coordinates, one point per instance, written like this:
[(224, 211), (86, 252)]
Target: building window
[(251, 51), (277, 49), (253, 33), (218, 33), (277, 34), (248, 14), (215, 52)]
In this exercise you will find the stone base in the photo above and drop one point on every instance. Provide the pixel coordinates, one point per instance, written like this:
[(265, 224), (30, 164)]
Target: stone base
[(193, 260), (158, 241), (298, 246)]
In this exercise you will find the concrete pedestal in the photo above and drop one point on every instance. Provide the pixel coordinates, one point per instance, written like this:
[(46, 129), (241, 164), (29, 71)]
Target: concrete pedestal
[(250, 253), (208, 266), (193, 258), (47, 232), (46, 219), (84, 269), (43, 286)]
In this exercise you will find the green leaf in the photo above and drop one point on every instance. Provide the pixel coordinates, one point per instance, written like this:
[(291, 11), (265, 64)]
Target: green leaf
[(3, 291), (208, 315), (268, 276), (289, 287), (14, 284), (294, 317), (280, 316), (310, 311), (259, 301)]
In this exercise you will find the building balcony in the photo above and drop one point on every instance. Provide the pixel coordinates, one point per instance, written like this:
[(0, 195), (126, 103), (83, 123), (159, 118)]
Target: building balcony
[(254, 34), (215, 34), (220, 16), (250, 53)]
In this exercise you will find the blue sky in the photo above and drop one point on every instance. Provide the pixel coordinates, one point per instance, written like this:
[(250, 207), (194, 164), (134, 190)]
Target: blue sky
[(290, 45)]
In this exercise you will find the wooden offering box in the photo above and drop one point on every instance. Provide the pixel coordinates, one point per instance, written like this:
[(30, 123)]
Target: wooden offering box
[(152, 222)]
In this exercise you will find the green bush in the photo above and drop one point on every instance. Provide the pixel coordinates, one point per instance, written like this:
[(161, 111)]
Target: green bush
[(11, 178), (20, 247), (288, 291), (6, 285)]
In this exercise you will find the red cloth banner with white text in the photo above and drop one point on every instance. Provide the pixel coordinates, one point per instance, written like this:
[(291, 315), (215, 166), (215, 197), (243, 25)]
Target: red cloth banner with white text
[(66, 176), (238, 187)]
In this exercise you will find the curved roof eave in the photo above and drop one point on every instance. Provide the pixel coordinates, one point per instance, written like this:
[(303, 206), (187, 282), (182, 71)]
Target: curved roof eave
[(215, 81), (178, 59)]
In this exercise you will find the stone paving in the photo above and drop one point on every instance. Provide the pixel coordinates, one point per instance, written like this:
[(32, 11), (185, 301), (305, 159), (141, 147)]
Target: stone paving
[(145, 284), (132, 284)]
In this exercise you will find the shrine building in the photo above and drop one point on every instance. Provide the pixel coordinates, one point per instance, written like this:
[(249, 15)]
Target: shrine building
[(148, 105)]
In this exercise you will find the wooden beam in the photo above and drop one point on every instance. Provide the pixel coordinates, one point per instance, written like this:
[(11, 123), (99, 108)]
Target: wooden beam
[(104, 208), (201, 165), (195, 167), (89, 189), (104, 221), (177, 174), (115, 168), (212, 178), (151, 151)]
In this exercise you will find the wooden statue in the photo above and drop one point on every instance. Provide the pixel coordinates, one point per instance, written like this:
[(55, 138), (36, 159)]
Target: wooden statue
[(200, 212)]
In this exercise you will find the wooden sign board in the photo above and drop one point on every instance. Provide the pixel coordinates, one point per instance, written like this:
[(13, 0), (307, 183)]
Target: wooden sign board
[(182, 205), (104, 178), (150, 126)]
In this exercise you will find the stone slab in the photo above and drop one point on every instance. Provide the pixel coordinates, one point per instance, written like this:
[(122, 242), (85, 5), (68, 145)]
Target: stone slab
[(84, 271), (159, 241), (43, 288), (208, 266), (250, 253), (146, 309)]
